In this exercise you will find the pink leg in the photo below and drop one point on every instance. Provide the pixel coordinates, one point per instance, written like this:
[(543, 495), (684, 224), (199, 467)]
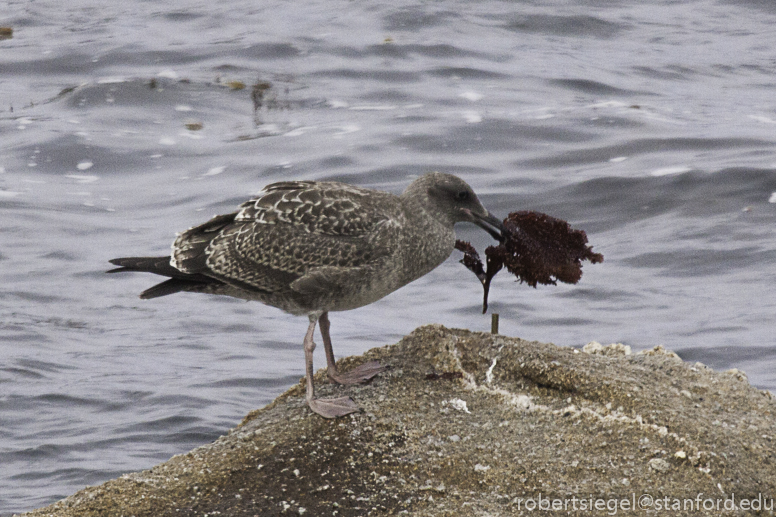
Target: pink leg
[(327, 408), (357, 375)]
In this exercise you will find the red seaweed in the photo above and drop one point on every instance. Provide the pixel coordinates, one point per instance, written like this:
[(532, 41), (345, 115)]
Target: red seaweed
[(536, 248)]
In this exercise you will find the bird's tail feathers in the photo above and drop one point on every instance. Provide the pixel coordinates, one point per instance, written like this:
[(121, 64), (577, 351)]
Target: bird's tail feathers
[(171, 286), (157, 265), (178, 281)]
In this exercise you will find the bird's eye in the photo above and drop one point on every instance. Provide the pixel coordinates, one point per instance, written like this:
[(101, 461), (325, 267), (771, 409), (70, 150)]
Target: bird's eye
[(462, 195)]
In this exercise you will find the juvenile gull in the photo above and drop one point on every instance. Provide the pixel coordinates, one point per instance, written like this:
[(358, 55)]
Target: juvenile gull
[(312, 247)]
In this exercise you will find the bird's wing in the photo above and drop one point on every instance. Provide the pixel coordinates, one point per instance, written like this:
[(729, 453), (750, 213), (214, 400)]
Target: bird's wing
[(188, 250), (293, 228), (327, 208)]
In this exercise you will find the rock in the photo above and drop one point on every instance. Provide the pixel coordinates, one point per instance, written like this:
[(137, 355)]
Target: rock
[(659, 464), (594, 347), (520, 420)]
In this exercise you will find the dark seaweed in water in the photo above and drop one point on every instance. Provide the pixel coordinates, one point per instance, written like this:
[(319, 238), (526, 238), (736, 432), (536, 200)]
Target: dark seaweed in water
[(536, 248)]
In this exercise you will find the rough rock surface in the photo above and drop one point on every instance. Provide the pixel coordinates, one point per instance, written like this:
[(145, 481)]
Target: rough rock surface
[(474, 424)]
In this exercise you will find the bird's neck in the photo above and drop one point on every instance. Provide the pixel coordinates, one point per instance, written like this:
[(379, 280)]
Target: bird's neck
[(429, 239)]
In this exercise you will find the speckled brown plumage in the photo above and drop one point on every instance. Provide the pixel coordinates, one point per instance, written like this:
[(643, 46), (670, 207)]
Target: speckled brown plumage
[(313, 247)]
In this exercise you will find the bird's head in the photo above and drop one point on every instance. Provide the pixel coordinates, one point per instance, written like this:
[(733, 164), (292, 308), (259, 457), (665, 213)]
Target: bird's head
[(453, 199)]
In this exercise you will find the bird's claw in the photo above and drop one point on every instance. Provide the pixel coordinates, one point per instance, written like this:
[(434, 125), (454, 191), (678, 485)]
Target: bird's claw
[(332, 408), (358, 375)]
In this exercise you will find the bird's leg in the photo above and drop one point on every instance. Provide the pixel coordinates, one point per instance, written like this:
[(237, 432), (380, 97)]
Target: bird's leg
[(327, 408), (357, 375)]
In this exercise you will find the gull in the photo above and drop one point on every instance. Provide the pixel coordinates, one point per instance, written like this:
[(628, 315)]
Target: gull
[(314, 247)]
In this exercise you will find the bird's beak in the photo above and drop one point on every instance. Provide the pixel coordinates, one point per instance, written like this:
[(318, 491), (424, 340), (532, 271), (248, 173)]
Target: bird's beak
[(490, 224)]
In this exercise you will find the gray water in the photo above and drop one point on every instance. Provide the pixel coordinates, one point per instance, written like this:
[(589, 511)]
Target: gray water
[(651, 126)]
